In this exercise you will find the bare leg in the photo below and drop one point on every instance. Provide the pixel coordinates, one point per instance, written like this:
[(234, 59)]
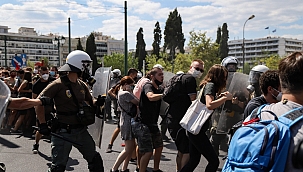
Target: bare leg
[(115, 135), (127, 151), (157, 157), (144, 161)]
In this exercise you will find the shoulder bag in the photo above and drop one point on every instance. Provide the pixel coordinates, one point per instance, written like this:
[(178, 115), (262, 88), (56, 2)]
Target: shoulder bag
[(196, 115)]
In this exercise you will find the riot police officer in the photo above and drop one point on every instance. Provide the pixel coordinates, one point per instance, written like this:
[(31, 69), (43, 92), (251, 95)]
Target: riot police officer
[(69, 94), (254, 75)]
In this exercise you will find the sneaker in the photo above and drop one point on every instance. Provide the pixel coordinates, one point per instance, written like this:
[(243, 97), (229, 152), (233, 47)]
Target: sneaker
[(133, 159), (109, 148), (35, 148), (127, 170), (137, 170)]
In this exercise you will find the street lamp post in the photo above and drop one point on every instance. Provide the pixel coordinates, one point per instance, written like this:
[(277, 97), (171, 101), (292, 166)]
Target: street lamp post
[(59, 41), (243, 45)]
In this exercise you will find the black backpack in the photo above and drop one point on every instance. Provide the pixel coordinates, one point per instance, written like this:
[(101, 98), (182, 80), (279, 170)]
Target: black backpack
[(173, 89)]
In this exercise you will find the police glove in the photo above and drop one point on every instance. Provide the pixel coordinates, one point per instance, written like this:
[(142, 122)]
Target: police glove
[(45, 100), (100, 100), (44, 130)]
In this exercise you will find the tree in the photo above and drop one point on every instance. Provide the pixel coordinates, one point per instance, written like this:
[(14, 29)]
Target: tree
[(173, 36), (218, 35), (223, 50), (157, 40), (140, 48), (203, 48), (79, 45), (91, 51)]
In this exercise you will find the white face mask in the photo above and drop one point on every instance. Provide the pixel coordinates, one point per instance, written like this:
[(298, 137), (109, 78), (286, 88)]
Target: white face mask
[(279, 96), (45, 76), (35, 71), (197, 74)]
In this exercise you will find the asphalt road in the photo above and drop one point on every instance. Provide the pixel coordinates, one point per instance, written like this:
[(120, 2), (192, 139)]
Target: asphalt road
[(16, 153)]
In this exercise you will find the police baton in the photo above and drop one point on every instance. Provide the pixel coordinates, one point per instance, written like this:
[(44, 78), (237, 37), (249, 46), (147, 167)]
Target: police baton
[(61, 137)]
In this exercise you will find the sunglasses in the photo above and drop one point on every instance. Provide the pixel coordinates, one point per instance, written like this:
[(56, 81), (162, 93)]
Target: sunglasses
[(198, 69)]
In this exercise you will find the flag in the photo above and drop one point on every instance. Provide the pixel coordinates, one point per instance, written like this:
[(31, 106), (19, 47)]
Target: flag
[(274, 30), (267, 27)]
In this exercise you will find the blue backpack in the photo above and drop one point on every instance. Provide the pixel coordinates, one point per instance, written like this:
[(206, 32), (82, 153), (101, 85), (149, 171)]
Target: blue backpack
[(262, 145)]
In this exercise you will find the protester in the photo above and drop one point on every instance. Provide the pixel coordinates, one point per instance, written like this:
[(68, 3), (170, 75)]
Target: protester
[(178, 108), (125, 100), (148, 135), (214, 83), (271, 89), (290, 69), (38, 87)]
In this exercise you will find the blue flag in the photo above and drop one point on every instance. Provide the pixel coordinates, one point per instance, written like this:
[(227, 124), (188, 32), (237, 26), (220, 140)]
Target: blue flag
[(274, 30), (267, 27)]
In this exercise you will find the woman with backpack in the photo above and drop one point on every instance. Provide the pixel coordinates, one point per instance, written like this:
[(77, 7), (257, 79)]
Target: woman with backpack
[(126, 99), (212, 96)]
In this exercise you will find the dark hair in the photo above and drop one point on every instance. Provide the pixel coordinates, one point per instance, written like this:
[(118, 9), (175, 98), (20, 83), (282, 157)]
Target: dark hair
[(217, 74), (290, 71), (154, 71), (131, 70), (269, 78), (27, 76), (55, 67), (44, 68), (21, 71), (147, 75), (123, 81)]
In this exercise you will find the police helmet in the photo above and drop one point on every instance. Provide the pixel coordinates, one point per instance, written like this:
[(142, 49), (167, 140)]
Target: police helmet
[(256, 72), (117, 72), (75, 61), (230, 63), (158, 66)]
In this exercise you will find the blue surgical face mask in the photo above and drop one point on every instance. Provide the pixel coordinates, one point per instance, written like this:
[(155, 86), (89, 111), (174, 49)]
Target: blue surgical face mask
[(52, 73)]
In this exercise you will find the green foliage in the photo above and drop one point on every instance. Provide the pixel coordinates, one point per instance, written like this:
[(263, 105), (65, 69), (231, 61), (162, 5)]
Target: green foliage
[(173, 35), (140, 48), (223, 50), (272, 62), (116, 61), (91, 51), (79, 45), (247, 69), (203, 48), (157, 40)]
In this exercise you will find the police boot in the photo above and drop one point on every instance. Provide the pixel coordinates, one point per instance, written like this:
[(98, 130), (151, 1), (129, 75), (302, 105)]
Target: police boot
[(97, 164)]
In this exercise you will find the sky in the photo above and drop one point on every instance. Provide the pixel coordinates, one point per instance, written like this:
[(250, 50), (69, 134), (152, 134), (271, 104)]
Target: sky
[(107, 16)]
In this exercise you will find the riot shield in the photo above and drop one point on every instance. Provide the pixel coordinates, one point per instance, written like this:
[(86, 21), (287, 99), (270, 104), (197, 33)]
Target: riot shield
[(5, 95), (231, 114), (102, 77)]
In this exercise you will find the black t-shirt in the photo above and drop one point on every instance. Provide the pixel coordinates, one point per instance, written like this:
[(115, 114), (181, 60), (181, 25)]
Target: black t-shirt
[(253, 104), (150, 109), (39, 86), (179, 107)]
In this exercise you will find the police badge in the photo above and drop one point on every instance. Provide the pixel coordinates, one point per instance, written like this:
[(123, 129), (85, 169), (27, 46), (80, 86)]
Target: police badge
[(68, 93)]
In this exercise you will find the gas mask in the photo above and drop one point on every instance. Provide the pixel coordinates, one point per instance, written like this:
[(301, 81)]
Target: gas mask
[(86, 77), (254, 82)]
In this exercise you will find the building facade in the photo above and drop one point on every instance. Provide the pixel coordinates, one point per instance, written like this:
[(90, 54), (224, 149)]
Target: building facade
[(35, 47), (262, 47)]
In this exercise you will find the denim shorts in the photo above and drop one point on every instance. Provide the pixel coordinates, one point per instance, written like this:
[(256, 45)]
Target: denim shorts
[(146, 140)]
